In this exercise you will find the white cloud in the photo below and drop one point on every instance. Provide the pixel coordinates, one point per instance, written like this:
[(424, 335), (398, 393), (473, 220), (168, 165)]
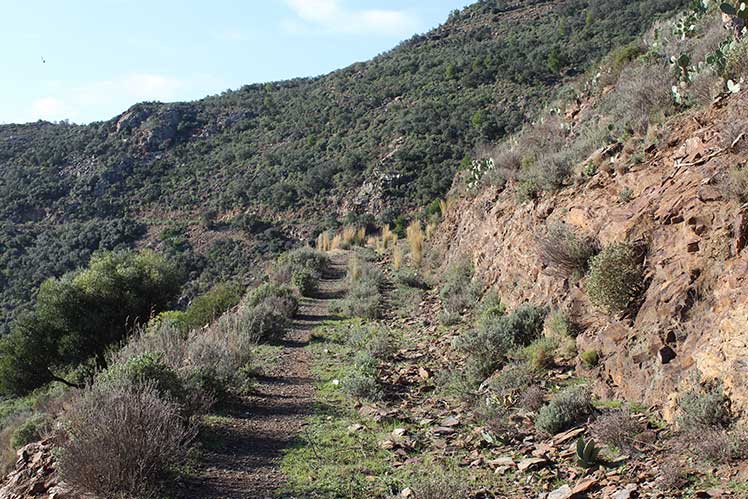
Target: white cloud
[(332, 16), (104, 99), (51, 108)]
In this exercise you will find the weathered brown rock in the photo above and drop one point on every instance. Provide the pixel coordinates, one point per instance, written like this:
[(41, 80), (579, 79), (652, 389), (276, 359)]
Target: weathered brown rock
[(696, 263)]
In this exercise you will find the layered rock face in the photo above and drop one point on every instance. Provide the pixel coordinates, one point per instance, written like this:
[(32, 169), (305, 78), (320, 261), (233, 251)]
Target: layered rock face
[(694, 311)]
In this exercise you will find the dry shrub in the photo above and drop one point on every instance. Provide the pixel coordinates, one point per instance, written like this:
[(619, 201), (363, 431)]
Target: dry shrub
[(735, 184), (441, 484), (643, 91), (415, 242), (564, 252), (397, 257), (165, 339), (717, 445), (122, 441), (566, 409), (323, 242), (533, 398), (223, 352), (617, 429)]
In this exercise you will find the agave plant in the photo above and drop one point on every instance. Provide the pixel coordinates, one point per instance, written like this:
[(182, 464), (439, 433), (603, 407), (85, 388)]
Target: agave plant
[(587, 453)]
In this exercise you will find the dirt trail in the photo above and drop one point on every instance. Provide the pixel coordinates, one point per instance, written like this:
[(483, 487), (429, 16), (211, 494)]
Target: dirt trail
[(255, 431)]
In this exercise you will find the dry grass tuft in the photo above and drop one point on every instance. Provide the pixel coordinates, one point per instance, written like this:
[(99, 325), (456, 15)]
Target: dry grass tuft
[(415, 242)]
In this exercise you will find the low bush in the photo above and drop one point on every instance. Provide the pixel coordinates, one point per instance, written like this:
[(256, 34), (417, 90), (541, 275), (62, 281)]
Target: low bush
[(539, 354), (122, 440), (567, 408), (147, 368), (718, 445), (617, 429), (616, 278), (590, 358), (489, 345), (703, 406), (440, 484), (411, 279), (302, 268), (510, 383), (564, 252), (459, 292), (361, 382), (219, 358), (31, 430), (378, 341), (364, 297), (735, 184), (208, 307)]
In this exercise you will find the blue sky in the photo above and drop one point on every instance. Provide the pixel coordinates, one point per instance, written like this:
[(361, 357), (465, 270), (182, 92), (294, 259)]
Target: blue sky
[(102, 56)]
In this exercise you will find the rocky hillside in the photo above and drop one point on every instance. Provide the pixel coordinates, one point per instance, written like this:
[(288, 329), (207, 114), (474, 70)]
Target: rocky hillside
[(676, 194), (223, 181)]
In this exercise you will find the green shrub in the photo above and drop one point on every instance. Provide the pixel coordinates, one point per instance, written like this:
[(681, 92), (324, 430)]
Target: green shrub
[(567, 408), (302, 268), (590, 358), (80, 316), (564, 252), (616, 278), (459, 291), (491, 308), (361, 382), (411, 279), (378, 341), (511, 382), (146, 368), (705, 405), (31, 430), (489, 345), (175, 319), (267, 291), (539, 354), (208, 307)]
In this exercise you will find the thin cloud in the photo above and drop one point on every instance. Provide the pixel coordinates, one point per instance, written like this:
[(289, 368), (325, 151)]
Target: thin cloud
[(104, 99), (331, 16), (231, 35)]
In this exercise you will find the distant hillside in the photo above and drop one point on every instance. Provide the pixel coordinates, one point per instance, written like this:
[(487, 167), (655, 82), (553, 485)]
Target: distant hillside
[(225, 180)]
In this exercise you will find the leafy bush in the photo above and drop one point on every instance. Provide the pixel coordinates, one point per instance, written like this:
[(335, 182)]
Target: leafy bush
[(302, 268), (489, 345), (147, 368), (31, 430), (459, 291), (539, 354), (616, 278), (411, 279), (208, 307), (564, 252), (219, 357), (81, 315), (590, 358), (122, 440), (567, 408)]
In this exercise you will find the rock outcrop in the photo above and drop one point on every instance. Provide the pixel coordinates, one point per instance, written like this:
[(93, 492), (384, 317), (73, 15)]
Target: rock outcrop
[(694, 312), (35, 475)]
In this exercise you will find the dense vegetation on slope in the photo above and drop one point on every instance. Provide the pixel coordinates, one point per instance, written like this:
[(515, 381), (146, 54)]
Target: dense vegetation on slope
[(401, 123)]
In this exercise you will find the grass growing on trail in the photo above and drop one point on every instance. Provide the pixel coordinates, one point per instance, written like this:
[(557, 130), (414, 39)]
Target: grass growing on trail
[(339, 455), (330, 459)]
